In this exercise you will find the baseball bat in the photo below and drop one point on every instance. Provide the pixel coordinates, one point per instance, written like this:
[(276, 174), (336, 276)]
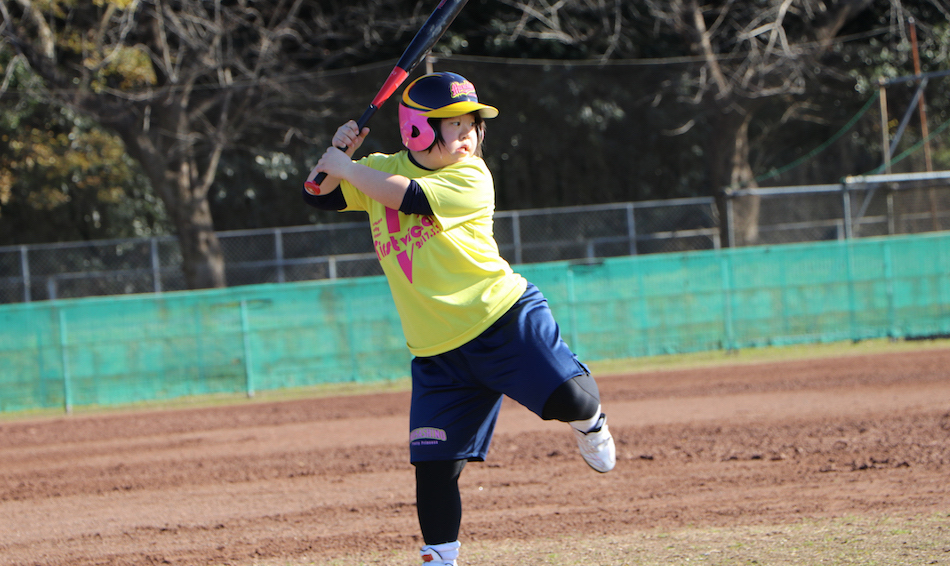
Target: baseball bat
[(427, 36)]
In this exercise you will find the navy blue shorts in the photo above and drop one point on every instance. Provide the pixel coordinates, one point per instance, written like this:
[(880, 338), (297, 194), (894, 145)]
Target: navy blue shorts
[(456, 396)]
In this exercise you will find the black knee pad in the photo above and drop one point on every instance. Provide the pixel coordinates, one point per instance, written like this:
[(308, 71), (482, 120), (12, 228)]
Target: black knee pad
[(574, 400)]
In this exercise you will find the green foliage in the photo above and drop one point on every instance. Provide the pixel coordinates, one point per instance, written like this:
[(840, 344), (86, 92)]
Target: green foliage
[(129, 68), (62, 177)]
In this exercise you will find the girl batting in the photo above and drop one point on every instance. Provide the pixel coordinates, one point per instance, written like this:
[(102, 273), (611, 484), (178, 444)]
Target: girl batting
[(477, 330)]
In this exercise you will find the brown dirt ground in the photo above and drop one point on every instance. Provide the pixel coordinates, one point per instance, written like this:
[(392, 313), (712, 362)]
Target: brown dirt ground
[(327, 478)]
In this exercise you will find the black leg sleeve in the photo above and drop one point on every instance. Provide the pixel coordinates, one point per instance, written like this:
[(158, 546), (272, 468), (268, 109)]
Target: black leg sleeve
[(574, 400), (438, 500)]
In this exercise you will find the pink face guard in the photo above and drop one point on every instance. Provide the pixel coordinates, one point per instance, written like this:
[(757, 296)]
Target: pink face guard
[(417, 134)]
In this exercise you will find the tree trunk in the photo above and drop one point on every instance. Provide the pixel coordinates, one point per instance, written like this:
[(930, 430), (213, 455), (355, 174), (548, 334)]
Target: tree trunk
[(745, 209), (729, 170), (178, 182), (202, 259)]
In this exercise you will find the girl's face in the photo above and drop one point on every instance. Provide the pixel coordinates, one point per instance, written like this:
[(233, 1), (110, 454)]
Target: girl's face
[(460, 140)]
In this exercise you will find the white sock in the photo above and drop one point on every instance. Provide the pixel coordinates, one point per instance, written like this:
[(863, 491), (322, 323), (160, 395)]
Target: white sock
[(586, 424)]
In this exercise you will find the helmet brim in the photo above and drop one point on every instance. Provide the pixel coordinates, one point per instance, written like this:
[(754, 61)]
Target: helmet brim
[(462, 108)]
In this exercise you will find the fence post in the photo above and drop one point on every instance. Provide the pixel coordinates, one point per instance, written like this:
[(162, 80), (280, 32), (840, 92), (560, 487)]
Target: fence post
[(246, 335), (846, 207), (156, 266), (25, 268), (725, 266), (730, 222), (64, 354), (516, 235), (632, 228), (893, 331), (643, 316), (891, 221), (852, 291), (279, 254), (572, 301)]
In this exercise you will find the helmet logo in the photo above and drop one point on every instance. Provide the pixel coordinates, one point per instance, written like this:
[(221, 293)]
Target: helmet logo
[(464, 88)]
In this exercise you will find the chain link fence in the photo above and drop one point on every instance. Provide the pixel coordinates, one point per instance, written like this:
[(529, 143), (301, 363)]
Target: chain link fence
[(868, 206)]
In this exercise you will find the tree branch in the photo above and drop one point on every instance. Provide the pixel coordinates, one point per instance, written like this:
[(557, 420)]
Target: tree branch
[(712, 61)]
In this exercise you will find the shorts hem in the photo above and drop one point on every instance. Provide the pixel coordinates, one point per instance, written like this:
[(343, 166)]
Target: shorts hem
[(469, 458)]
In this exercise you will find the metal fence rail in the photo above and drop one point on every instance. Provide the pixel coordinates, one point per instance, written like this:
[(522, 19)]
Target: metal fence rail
[(875, 205)]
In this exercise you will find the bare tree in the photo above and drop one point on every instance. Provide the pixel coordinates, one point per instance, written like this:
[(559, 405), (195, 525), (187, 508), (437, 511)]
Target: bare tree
[(749, 52), (598, 28), (183, 81), (745, 55)]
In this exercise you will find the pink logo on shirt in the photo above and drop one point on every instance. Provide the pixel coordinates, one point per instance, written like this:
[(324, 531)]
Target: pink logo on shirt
[(404, 246)]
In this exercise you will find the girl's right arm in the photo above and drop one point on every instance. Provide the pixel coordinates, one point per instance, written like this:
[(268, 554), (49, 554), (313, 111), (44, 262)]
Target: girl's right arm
[(346, 136)]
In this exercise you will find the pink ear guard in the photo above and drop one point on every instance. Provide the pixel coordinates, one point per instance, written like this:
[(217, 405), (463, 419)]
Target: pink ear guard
[(416, 132)]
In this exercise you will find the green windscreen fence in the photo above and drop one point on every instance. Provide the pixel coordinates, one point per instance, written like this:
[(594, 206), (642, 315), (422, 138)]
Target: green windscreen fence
[(132, 348)]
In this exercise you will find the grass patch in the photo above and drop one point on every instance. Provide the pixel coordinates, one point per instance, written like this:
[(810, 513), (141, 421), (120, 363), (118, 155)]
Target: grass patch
[(865, 541)]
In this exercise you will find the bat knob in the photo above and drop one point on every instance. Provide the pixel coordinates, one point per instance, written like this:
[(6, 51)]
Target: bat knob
[(312, 187)]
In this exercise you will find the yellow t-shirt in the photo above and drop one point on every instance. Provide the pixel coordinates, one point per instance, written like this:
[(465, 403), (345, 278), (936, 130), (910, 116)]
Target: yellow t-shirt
[(447, 278)]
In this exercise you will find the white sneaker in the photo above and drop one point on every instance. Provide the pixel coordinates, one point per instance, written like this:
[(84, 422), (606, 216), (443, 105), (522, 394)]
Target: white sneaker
[(440, 554), (597, 446)]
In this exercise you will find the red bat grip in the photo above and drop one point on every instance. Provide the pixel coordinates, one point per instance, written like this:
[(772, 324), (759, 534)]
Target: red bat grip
[(313, 187)]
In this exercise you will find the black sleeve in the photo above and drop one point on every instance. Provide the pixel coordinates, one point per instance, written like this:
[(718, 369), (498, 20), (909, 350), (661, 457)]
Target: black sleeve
[(415, 201), (331, 201)]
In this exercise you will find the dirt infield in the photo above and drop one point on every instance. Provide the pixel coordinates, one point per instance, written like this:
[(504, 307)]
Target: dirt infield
[(325, 479)]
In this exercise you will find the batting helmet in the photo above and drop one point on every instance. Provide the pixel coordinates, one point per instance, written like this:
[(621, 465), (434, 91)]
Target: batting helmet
[(436, 95)]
